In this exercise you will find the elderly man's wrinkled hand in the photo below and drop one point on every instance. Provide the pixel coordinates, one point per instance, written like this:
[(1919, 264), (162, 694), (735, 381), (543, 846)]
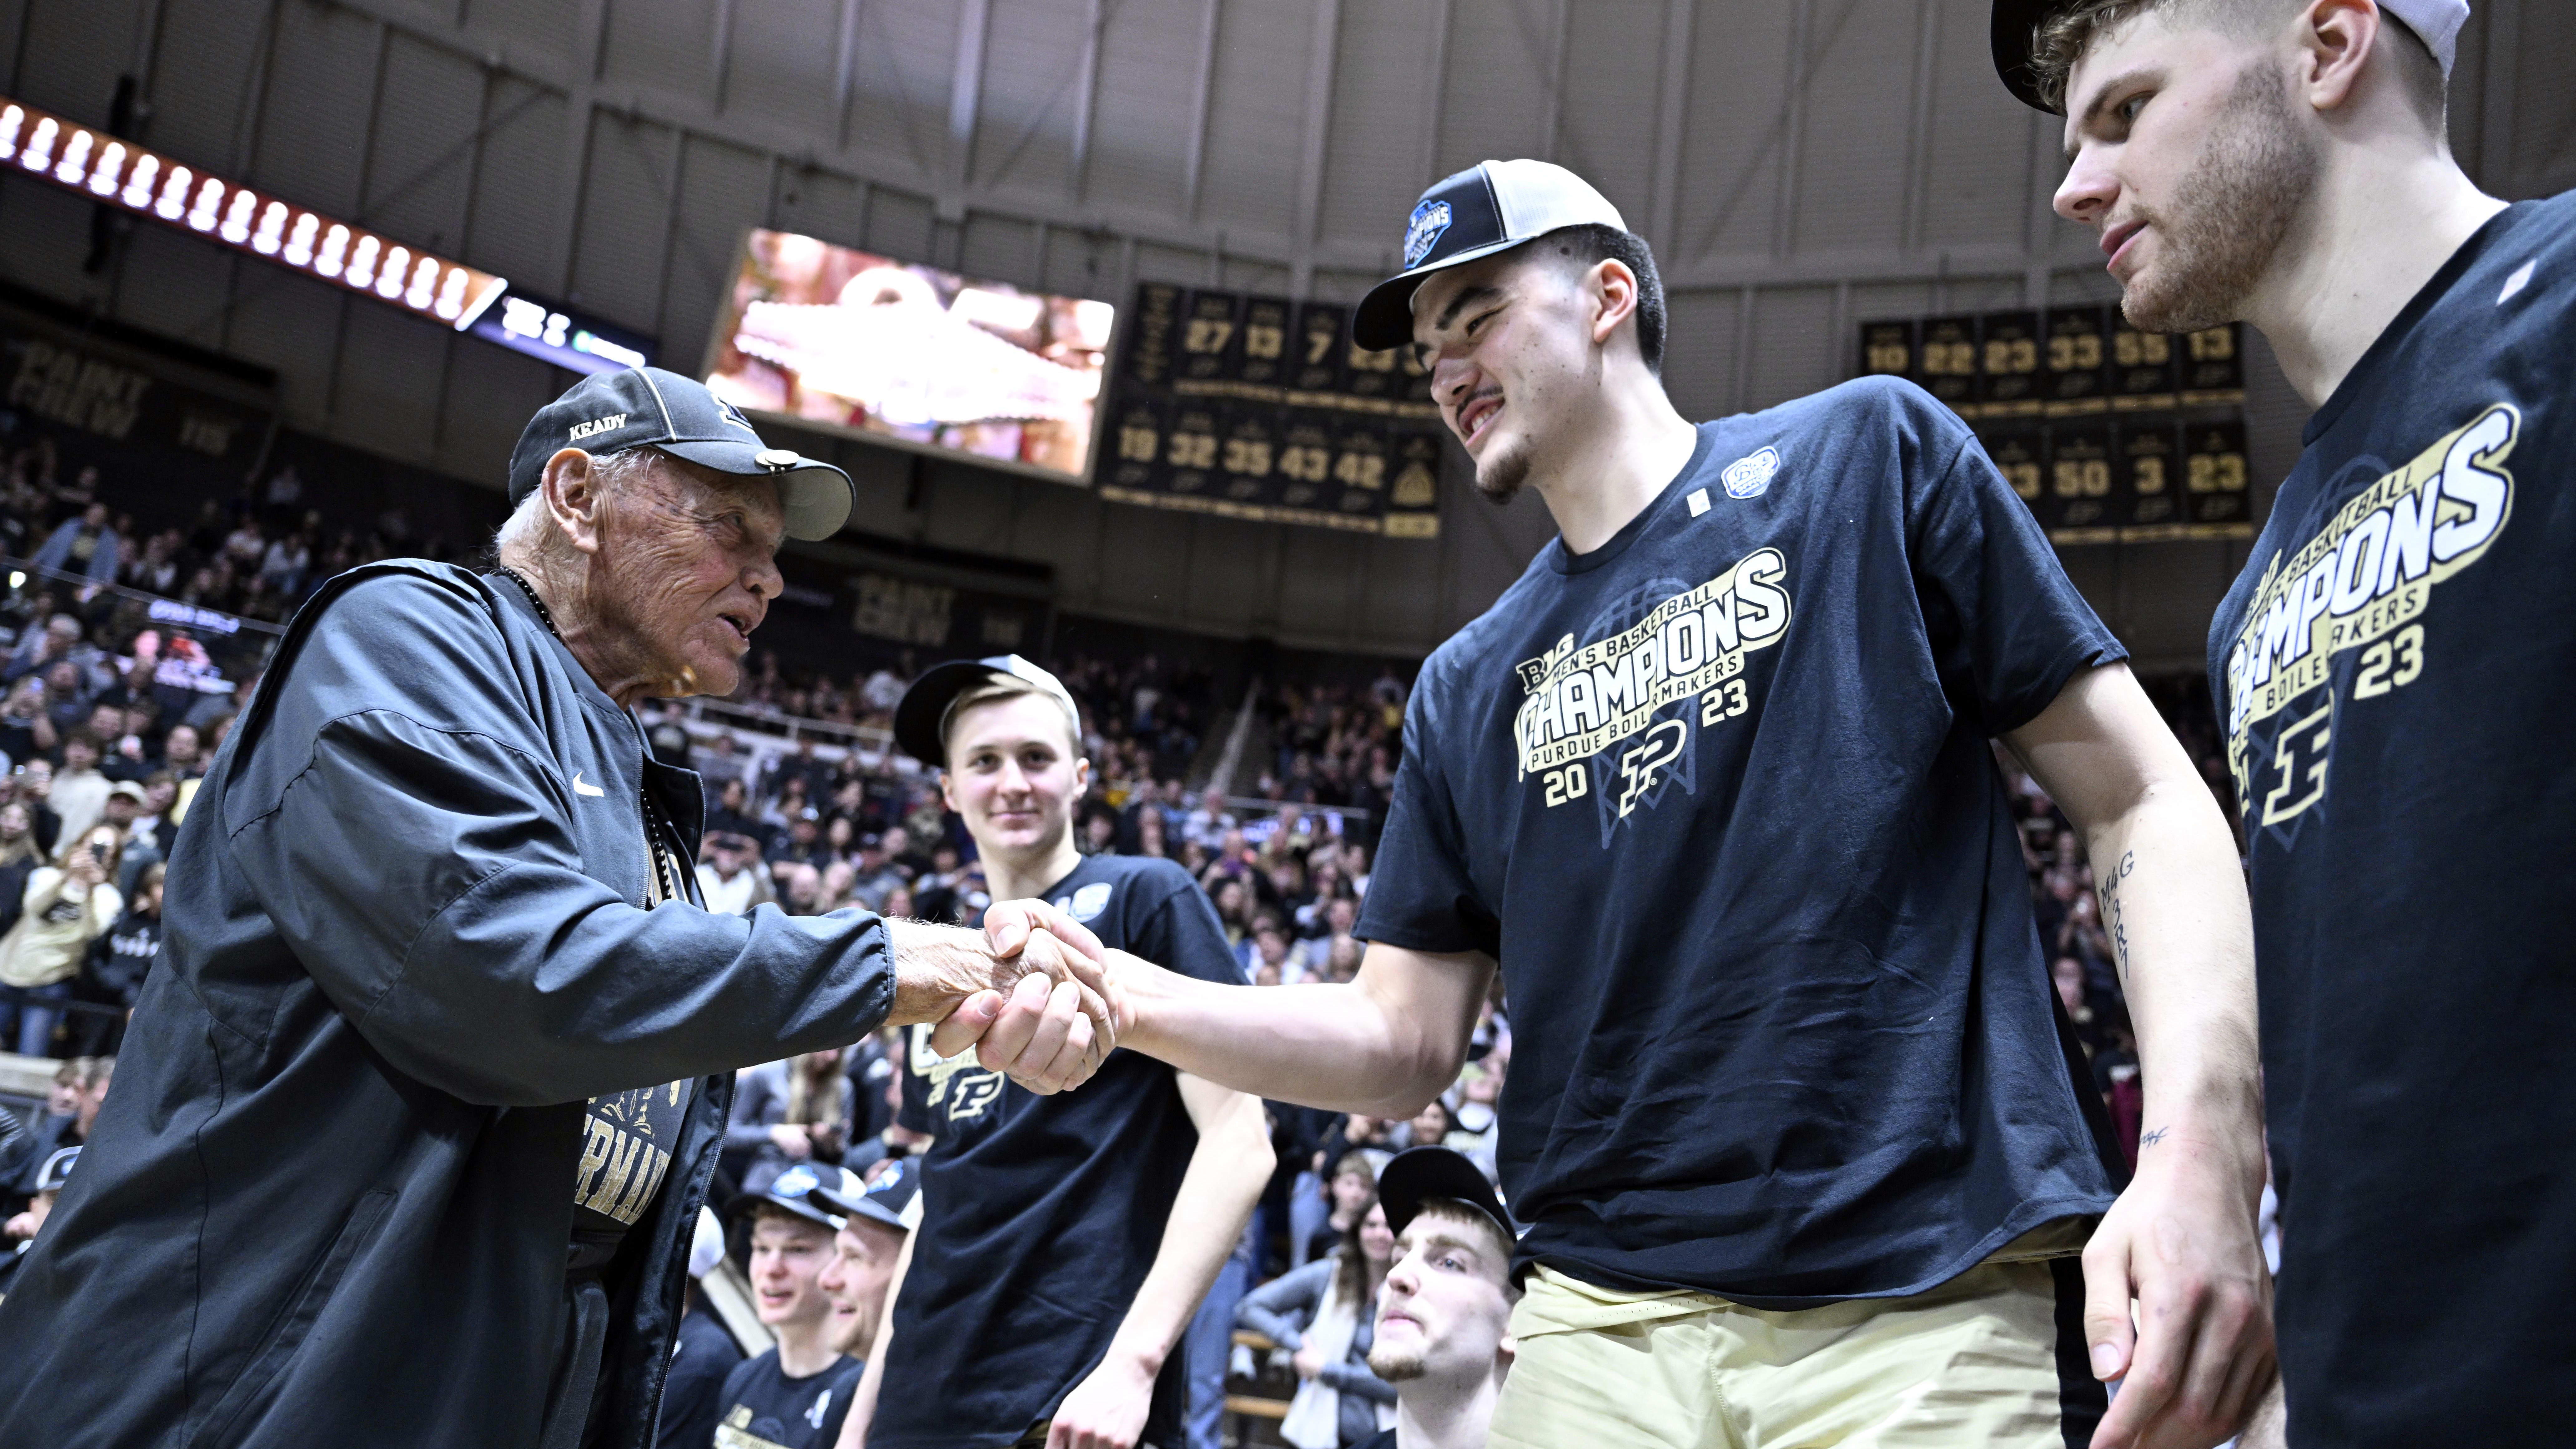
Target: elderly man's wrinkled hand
[(1009, 924)]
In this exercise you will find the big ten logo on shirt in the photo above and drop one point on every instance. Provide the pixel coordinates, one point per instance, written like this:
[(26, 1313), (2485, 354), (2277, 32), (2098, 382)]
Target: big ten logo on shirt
[(959, 1085), (1589, 726), (622, 1164), (2362, 583)]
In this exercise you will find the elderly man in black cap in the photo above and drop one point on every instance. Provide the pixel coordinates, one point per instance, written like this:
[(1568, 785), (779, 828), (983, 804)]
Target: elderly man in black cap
[(426, 1092)]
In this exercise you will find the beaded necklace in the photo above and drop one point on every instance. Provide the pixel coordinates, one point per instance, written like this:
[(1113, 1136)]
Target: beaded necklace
[(658, 832)]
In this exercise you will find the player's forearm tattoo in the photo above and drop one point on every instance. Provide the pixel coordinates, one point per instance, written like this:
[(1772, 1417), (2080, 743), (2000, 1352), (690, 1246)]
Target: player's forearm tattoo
[(2115, 921), (2150, 1139)]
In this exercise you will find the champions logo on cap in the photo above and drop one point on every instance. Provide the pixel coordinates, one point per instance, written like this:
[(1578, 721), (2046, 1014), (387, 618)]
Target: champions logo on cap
[(1429, 220)]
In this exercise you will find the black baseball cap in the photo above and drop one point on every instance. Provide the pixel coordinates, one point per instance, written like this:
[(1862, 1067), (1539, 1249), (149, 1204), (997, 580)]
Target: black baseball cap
[(1491, 206), (1417, 1174), (609, 412), (921, 717), (2015, 23), (890, 1200), (794, 1191)]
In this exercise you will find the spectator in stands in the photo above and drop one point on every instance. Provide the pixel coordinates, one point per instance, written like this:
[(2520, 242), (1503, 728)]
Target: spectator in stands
[(1444, 1323), (795, 1395), (84, 546), (79, 793), (1341, 1202), (66, 908), (731, 878), (149, 837), (39, 650), (1431, 1126), (26, 726), (1325, 1315), (33, 783), (67, 695), (19, 857), (1267, 958), (56, 1124), (787, 1112), (1207, 825), (182, 753), (21, 1230), (876, 877), (731, 813), (118, 963)]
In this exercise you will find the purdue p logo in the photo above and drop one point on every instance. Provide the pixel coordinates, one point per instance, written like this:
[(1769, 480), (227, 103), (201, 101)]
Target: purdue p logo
[(2300, 754)]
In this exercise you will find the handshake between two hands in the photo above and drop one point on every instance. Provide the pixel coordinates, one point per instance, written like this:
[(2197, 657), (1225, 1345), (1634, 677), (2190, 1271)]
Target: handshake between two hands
[(1037, 998)]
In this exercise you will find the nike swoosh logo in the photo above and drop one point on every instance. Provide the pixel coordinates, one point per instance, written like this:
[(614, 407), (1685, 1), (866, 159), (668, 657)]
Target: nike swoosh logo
[(579, 788)]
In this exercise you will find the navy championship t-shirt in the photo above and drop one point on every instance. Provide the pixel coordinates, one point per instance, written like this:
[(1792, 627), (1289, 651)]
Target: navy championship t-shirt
[(762, 1408), (2396, 675), (1041, 1215), (1720, 799)]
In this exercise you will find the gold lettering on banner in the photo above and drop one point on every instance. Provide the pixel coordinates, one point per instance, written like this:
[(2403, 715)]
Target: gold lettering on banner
[(64, 386)]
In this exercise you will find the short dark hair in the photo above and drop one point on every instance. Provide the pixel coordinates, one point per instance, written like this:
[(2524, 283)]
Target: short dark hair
[(2059, 41), (1592, 244)]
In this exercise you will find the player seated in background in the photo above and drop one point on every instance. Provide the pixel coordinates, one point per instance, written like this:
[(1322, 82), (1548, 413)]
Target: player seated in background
[(1444, 1318), (23, 1229), (2394, 670), (795, 1395), (875, 1225), (1790, 1113), (1063, 1242)]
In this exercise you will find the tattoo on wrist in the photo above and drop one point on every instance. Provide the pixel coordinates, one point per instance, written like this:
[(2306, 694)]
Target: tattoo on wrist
[(2115, 922), (2150, 1139)]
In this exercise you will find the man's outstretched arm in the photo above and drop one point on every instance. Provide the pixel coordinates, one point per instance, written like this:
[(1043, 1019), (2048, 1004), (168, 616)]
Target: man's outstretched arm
[(2180, 1242), (1383, 1044)]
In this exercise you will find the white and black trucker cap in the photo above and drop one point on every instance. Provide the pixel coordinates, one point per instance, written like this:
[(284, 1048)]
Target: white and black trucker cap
[(1487, 208), (609, 412), (2014, 23)]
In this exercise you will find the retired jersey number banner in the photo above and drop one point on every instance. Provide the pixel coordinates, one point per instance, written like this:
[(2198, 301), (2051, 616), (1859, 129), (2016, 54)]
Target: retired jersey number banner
[(1263, 409), (2112, 435)]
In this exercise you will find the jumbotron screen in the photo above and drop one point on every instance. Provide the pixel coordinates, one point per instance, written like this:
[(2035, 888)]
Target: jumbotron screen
[(849, 341)]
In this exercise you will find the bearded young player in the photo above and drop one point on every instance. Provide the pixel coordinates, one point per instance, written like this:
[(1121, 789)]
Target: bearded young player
[(1794, 1125), (2394, 670), (1063, 1242)]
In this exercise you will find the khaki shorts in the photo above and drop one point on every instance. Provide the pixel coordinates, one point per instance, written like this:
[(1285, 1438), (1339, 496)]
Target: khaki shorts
[(1994, 1357)]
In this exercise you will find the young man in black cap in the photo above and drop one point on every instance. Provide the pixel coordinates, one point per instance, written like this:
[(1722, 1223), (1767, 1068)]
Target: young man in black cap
[(2392, 670), (1444, 1318), (794, 1395), (875, 1225), (1064, 1241), (1790, 1108), (428, 925)]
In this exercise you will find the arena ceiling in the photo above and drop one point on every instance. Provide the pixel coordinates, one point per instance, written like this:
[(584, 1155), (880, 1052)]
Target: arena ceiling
[(1799, 165)]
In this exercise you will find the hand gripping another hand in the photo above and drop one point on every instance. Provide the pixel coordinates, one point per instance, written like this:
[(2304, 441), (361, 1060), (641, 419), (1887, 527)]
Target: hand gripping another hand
[(1041, 1007)]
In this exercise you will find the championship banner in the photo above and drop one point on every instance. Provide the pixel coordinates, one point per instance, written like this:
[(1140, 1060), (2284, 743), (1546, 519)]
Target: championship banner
[(122, 387), (2110, 434), (1261, 408)]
